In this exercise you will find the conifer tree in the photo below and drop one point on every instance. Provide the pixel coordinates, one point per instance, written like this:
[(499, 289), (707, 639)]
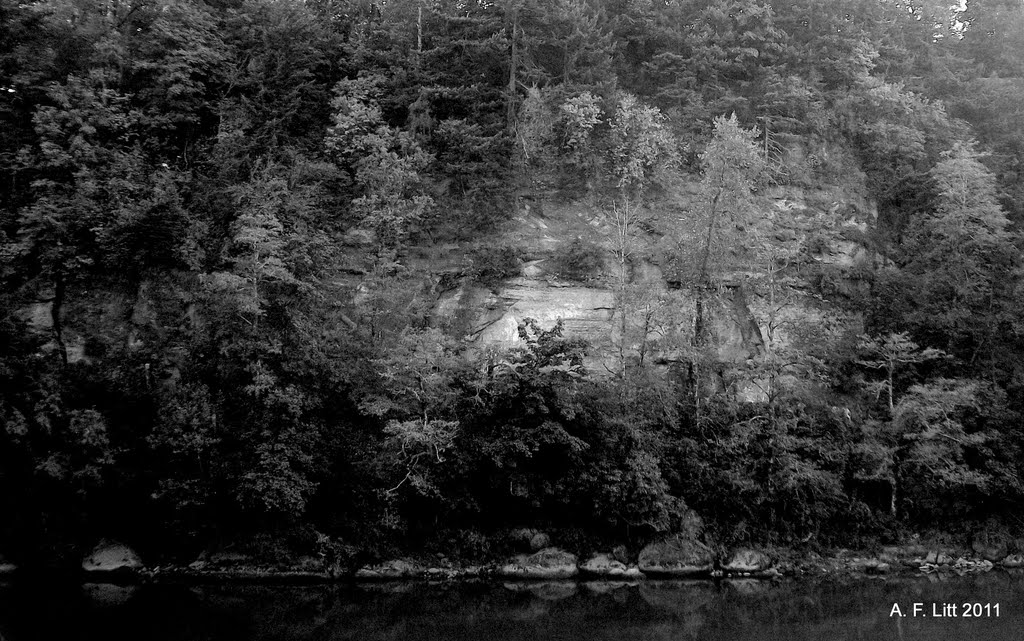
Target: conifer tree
[(960, 260)]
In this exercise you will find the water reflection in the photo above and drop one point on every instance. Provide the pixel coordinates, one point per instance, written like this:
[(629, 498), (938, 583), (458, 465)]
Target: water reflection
[(735, 610)]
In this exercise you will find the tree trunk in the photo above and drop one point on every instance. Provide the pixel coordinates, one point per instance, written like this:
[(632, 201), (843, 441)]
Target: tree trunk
[(513, 65), (895, 481), (750, 330), (893, 496), (699, 340), (622, 220), (703, 275), (55, 316), (892, 368)]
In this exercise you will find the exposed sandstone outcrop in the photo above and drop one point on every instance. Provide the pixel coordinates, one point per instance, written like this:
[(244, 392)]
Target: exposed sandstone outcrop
[(807, 226)]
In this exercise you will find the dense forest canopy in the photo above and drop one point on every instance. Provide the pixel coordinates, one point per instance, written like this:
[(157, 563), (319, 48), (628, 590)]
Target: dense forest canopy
[(217, 323)]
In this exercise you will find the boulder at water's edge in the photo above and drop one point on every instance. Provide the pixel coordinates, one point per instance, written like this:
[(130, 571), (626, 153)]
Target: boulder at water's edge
[(6, 567), (677, 557), (394, 569), (550, 563), (745, 560), (110, 556), (605, 566)]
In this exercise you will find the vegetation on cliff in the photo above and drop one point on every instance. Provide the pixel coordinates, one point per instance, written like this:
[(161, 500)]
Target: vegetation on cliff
[(218, 220)]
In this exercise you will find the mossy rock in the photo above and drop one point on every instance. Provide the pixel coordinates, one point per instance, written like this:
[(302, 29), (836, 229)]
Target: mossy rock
[(113, 558), (745, 560), (679, 557), (550, 563)]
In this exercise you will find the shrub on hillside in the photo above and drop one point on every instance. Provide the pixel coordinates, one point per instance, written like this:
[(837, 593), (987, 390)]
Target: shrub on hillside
[(493, 265), (580, 260)]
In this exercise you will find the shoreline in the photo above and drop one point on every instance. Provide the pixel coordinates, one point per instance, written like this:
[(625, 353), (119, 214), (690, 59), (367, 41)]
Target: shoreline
[(788, 565)]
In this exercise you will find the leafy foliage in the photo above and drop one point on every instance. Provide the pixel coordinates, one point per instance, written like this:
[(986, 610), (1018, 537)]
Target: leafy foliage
[(580, 261), (220, 224)]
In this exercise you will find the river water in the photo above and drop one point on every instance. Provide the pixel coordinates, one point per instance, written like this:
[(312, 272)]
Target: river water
[(833, 609)]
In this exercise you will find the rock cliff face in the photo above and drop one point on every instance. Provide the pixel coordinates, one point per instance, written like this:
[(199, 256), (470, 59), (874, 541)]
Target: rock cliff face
[(635, 306), (585, 311), (826, 228)]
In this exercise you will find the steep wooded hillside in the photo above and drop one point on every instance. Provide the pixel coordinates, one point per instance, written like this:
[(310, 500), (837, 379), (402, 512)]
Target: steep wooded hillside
[(336, 276)]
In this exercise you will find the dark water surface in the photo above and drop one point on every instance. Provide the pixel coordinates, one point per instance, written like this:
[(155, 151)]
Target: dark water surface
[(834, 609)]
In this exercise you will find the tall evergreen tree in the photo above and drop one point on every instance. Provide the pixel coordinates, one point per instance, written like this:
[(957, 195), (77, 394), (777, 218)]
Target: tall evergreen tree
[(960, 259)]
